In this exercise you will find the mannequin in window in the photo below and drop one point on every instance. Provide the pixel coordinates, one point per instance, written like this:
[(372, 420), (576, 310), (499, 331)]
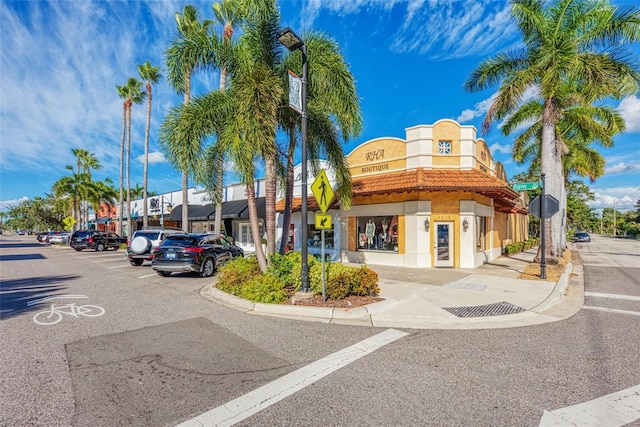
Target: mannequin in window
[(370, 231)]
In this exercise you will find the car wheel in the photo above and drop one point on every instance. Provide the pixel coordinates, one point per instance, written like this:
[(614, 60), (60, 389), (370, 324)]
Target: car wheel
[(164, 273), (99, 247), (140, 245), (78, 249), (115, 248), (136, 262), (208, 268)]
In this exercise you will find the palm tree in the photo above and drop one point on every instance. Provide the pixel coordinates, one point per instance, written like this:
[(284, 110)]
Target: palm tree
[(332, 102), (86, 162), (122, 93), (564, 41), (75, 188), (187, 52), (106, 194), (150, 75), (227, 13), (135, 95)]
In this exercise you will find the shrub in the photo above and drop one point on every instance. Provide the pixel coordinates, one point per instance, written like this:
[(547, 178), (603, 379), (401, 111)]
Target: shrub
[(339, 285), (282, 266), (366, 282), (235, 273), (265, 288)]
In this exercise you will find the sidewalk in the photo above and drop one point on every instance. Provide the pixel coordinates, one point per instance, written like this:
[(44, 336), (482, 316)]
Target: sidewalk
[(487, 297)]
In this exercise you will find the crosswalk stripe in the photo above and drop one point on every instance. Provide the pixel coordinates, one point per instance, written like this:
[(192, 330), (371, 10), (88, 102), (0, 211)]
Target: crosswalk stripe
[(612, 296), (612, 310)]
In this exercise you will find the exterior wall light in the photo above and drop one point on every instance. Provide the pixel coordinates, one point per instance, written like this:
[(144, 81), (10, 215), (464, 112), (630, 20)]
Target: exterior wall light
[(426, 224), (465, 224)]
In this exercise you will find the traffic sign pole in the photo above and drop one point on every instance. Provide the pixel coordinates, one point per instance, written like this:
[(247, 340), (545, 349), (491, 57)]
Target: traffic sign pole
[(543, 259)]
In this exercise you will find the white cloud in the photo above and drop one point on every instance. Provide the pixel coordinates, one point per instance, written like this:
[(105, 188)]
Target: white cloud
[(629, 108), (5, 205), (154, 157), (622, 167), (479, 109), (500, 148), (624, 198)]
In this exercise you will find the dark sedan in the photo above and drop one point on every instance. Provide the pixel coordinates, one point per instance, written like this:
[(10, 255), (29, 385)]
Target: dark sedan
[(197, 253), (581, 237)]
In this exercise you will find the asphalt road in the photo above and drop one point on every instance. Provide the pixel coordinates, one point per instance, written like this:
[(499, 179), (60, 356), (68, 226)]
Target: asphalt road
[(161, 354)]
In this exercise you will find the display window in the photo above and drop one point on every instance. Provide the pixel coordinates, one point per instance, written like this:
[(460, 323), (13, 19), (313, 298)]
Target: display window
[(377, 233), (315, 238)]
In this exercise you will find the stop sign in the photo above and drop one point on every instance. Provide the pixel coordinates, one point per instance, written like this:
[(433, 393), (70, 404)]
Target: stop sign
[(551, 207)]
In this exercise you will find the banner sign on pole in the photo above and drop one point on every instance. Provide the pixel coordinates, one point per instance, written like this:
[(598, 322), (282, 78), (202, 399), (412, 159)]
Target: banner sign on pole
[(295, 92)]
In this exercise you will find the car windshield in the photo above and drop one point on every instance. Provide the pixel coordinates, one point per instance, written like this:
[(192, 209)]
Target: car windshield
[(179, 241), (582, 234)]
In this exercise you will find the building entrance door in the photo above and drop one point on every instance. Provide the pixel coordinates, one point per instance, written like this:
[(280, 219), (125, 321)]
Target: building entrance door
[(443, 245)]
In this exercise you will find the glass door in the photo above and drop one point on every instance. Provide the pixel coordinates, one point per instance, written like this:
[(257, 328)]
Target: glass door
[(443, 245)]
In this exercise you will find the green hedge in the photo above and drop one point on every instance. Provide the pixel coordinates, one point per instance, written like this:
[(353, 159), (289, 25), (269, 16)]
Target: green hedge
[(514, 248), (242, 277)]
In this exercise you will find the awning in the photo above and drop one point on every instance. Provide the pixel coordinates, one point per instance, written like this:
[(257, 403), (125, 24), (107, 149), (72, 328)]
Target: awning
[(260, 206), (202, 213), (176, 212), (234, 208)]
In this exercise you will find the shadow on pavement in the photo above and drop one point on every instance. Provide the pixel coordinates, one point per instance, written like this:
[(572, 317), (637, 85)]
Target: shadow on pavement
[(15, 294)]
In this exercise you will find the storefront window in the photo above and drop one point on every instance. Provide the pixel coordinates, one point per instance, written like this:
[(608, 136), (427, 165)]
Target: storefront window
[(377, 233), (315, 239), (481, 233)]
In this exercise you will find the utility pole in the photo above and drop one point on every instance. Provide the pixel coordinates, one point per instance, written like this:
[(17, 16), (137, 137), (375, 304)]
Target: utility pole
[(615, 231), (601, 212)]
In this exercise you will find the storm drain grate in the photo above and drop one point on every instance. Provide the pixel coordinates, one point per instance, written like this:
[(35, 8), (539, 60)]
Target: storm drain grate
[(495, 309)]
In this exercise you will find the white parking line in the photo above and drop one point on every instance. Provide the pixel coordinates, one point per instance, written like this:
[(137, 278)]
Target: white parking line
[(147, 275), (613, 410), (265, 396), (612, 310), (119, 266), (612, 296), (100, 256), (108, 260)]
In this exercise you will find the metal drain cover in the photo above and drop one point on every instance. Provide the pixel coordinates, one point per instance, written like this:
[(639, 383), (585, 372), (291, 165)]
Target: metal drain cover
[(495, 309)]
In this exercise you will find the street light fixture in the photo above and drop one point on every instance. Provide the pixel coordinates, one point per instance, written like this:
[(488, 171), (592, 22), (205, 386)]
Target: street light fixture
[(291, 41)]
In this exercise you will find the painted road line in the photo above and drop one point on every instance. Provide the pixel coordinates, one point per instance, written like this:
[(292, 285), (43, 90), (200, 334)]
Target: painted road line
[(101, 256), (119, 266), (613, 410), (147, 275), (36, 301), (612, 296), (265, 396), (612, 310), (107, 260)]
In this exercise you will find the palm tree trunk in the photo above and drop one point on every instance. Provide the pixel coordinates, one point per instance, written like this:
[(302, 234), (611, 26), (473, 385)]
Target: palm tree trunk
[(255, 229), (288, 196), (128, 159), (270, 203), (220, 167), (120, 200), (547, 161), (145, 219), (185, 175)]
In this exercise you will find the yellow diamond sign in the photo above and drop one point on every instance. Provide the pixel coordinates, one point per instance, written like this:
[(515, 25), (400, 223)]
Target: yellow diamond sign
[(322, 191)]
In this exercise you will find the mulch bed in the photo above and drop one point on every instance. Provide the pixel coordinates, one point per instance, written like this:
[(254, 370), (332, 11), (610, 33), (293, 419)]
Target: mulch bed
[(316, 301)]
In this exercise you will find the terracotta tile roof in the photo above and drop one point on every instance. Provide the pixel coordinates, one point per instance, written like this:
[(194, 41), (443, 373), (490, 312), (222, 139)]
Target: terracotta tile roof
[(434, 180), (428, 180)]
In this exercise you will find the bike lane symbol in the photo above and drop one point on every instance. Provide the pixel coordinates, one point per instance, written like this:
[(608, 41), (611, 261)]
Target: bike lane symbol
[(54, 313)]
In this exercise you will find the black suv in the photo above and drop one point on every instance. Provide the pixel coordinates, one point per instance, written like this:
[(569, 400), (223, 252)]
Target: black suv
[(198, 253), (97, 240)]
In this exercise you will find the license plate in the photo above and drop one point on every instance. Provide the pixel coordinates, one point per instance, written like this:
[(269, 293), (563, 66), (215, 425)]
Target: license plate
[(170, 255)]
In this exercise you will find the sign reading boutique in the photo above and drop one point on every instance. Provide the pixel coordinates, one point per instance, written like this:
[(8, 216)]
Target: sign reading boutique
[(378, 156)]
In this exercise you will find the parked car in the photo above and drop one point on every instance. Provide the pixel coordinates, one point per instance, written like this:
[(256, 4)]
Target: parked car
[(144, 241), (198, 253), (49, 235), (60, 238), (97, 240), (40, 236), (581, 236)]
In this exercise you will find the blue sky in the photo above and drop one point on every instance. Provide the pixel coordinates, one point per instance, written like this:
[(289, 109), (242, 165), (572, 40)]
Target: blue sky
[(60, 63)]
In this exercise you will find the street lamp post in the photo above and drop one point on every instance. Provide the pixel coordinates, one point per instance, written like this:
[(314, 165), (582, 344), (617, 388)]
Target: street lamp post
[(291, 41)]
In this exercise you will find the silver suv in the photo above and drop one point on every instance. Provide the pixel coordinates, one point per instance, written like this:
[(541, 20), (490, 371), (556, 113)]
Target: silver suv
[(143, 242)]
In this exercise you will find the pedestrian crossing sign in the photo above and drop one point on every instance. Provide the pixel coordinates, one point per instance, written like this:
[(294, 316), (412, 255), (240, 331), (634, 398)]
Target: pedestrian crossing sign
[(323, 222), (322, 191)]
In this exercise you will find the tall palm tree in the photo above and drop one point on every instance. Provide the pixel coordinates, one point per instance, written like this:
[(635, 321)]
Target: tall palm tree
[(578, 41), (150, 75), (76, 187), (227, 14), (105, 193), (135, 95), (332, 103), (122, 93), (187, 52), (86, 162)]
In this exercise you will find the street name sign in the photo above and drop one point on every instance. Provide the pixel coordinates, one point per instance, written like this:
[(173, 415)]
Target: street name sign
[(521, 186), (551, 206), (322, 191), (323, 222)]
